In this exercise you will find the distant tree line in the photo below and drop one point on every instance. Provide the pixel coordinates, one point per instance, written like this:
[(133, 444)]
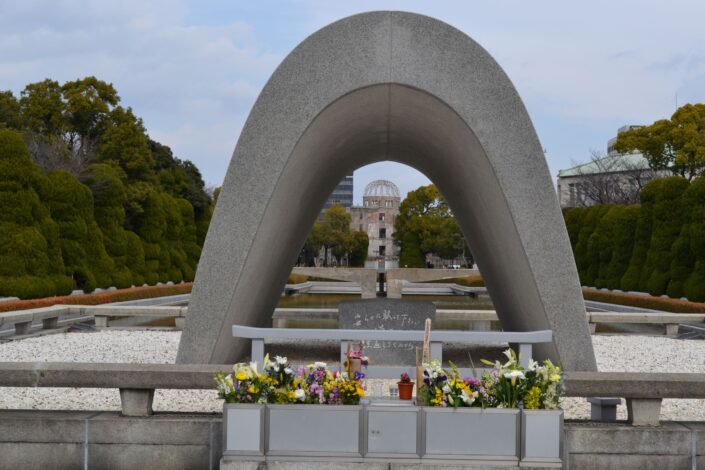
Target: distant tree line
[(87, 199), (656, 247)]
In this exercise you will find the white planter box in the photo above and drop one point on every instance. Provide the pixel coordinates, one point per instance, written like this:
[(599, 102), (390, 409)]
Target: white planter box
[(243, 429), (408, 432), (472, 433), (393, 431), (314, 430), (541, 435)]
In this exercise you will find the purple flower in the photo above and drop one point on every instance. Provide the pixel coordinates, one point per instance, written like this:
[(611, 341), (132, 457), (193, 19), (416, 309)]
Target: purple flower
[(358, 376)]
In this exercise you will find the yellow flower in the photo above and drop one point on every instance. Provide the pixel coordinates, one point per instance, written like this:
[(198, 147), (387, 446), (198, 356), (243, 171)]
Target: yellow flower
[(241, 375), (360, 392), (253, 389), (555, 378)]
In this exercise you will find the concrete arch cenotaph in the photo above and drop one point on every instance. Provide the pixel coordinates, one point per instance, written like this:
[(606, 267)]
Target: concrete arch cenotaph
[(388, 86)]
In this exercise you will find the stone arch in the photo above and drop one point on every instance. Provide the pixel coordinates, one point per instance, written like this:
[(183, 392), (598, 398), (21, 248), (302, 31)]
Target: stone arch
[(388, 86)]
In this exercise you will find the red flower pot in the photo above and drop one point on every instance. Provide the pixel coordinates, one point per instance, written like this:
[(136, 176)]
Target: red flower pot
[(406, 389)]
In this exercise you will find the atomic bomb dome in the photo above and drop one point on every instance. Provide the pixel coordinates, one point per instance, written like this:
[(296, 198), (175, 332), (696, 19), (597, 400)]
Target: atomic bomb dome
[(383, 188)]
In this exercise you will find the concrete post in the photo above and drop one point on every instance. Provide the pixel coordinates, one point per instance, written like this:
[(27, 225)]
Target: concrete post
[(180, 322), (672, 330), (101, 321), (136, 401), (603, 408), (644, 411), (368, 284), (50, 323), (23, 328)]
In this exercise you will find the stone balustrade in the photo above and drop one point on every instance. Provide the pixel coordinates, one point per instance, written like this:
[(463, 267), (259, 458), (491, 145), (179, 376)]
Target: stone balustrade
[(137, 382)]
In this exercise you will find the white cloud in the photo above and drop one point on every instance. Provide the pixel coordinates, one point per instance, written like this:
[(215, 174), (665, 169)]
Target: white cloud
[(193, 70)]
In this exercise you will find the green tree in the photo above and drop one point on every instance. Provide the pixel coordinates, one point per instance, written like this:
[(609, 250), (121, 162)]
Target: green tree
[(359, 244), (425, 219), (87, 106), (30, 253), (9, 111), (677, 145), (125, 142)]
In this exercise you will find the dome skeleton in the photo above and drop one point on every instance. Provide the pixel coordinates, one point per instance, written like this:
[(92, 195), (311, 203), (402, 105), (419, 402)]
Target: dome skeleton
[(381, 188)]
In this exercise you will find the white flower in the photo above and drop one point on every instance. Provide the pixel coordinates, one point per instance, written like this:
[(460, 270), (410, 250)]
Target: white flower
[(446, 388), (289, 371), (514, 374), (320, 365), (281, 360), (468, 399), (253, 367), (533, 365), (300, 394), (510, 354)]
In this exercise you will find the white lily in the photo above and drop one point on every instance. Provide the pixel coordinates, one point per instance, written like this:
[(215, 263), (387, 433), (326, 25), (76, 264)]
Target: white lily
[(468, 399), (300, 394), (514, 374), (281, 360)]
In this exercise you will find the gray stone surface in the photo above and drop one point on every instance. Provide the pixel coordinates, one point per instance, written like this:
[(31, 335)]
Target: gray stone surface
[(373, 87), (134, 456), (387, 314), (644, 411), (54, 439), (136, 401)]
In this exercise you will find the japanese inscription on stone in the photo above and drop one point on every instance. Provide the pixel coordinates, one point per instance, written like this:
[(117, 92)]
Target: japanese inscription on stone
[(387, 314)]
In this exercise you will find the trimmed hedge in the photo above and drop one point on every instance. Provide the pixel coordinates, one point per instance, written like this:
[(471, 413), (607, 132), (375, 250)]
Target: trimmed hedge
[(468, 281), (644, 301), (656, 247), (120, 295)]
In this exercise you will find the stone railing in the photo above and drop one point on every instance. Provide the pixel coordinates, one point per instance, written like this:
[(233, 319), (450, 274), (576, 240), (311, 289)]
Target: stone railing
[(137, 382), (23, 320), (481, 318), (524, 341)]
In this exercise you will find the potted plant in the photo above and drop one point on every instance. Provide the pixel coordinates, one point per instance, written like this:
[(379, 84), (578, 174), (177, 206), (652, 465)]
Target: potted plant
[(406, 387)]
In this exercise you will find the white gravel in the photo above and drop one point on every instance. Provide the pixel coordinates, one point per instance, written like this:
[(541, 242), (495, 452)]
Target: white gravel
[(614, 353)]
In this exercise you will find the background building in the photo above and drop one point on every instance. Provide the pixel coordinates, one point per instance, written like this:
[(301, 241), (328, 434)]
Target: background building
[(614, 178), (376, 217), (342, 194)]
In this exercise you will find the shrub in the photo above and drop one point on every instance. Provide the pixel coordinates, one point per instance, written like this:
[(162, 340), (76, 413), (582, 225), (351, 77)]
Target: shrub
[(30, 256), (644, 301), (120, 295), (667, 220)]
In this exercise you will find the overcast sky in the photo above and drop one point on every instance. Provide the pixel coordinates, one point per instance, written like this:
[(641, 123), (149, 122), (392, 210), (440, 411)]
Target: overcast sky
[(192, 70)]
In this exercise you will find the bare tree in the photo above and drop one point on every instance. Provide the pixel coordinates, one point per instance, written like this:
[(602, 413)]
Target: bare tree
[(611, 179)]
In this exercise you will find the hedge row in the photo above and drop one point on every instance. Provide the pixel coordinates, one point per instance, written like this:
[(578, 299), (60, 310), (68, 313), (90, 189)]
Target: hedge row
[(468, 281), (120, 295), (644, 301), (58, 234), (656, 247)]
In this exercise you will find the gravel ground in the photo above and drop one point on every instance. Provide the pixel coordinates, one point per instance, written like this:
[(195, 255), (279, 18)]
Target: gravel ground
[(614, 353)]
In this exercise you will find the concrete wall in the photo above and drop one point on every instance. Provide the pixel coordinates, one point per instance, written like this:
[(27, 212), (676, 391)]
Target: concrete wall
[(106, 440)]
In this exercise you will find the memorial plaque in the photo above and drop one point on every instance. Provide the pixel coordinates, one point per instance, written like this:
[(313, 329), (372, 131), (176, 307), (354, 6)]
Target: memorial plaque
[(387, 314)]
